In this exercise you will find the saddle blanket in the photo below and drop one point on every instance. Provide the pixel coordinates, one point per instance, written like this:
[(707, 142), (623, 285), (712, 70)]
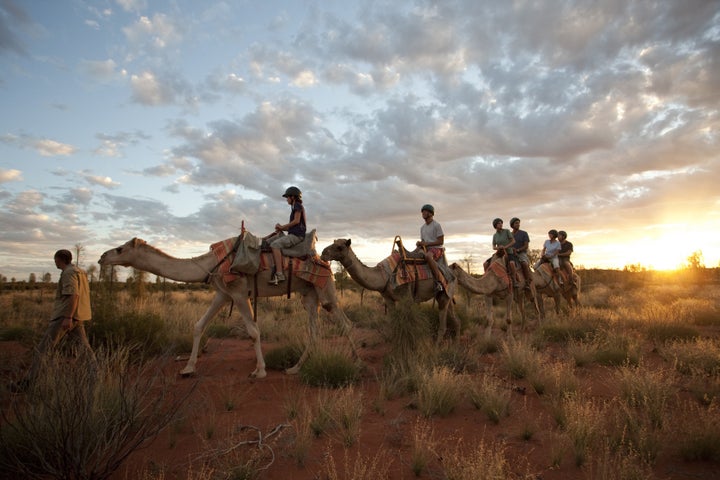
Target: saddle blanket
[(498, 268), (402, 273), (310, 269)]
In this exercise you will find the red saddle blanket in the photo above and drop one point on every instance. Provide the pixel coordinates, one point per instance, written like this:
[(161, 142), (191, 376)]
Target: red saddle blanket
[(310, 269), (406, 273)]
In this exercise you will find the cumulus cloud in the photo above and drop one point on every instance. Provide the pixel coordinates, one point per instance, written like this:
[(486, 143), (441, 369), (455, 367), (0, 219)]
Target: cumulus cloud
[(52, 148), (10, 175), (101, 181)]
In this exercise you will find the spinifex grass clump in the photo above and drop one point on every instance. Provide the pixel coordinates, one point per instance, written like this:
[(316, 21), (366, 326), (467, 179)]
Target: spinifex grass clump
[(329, 368), (82, 420)]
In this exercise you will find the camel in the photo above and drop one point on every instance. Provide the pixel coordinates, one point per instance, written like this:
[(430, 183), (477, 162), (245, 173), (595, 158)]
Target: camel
[(377, 279), (544, 285), (138, 254), (491, 285)]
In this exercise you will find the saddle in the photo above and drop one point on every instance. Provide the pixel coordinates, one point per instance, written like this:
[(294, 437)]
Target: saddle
[(404, 258), (306, 248)]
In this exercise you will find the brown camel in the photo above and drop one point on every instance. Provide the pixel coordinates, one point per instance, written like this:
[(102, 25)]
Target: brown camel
[(544, 285), (491, 285), (138, 254), (377, 279)]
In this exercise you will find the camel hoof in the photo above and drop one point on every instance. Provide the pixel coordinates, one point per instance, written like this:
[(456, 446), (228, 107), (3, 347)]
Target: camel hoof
[(258, 374), (293, 371), (187, 373)]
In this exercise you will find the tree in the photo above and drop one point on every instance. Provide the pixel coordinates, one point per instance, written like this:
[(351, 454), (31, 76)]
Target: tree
[(695, 261), (32, 279), (79, 249), (467, 263), (47, 277), (534, 255)]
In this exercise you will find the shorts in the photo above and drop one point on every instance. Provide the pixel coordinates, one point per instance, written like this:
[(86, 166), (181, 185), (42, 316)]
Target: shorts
[(522, 257), (286, 241), (554, 261), (565, 261), (435, 252)]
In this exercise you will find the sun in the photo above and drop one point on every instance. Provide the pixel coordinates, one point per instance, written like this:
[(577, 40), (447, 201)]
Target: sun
[(663, 253)]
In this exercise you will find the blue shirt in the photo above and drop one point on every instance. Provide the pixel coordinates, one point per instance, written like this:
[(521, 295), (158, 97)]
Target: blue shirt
[(521, 239), (300, 228)]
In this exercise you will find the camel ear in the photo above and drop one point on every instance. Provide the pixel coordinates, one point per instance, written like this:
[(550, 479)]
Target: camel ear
[(347, 243)]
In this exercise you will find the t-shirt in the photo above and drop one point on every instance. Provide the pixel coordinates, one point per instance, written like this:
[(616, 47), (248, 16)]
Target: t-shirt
[(566, 247), (552, 248), (503, 237), (430, 232), (300, 228), (521, 238), (73, 281)]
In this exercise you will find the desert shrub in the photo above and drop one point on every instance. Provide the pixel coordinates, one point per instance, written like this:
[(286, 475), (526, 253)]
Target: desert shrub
[(490, 396), (283, 357), (607, 463), (616, 348), (142, 331), (83, 422), (423, 446), (397, 379), (667, 331), (478, 462), (519, 358), (338, 413), (648, 389), (408, 330), (564, 329), (700, 356), (439, 392), (583, 422), (456, 357), (329, 368), (359, 468), (699, 432), (631, 430)]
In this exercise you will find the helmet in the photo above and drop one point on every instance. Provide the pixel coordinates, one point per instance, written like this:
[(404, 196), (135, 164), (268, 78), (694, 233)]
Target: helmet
[(513, 220), (292, 192), (553, 232), (429, 208), (496, 221), (562, 233)]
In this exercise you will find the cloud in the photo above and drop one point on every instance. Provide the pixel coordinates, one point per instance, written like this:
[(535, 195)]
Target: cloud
[(10, 175), (12, 18), (101, 181), (99, 70), (52, 148)]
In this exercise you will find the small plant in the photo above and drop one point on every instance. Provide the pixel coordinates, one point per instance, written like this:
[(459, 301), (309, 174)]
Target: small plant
[(520, 359), (700, 437), (491, 397), (329, 368), (361, 468), (439, 392), (583, 425), (283, 357), (648, 389), (422, 448), (477, 462)]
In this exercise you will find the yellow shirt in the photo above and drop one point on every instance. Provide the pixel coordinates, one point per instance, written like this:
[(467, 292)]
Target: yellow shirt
[(73, 281)]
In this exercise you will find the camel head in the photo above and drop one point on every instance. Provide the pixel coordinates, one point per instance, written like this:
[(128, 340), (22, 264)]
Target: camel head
[(338, 250), (122, 255)]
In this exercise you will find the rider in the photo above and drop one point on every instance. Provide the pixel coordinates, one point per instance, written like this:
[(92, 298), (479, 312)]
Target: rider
[(431, 243), (522, 244), (566, 249), (550, 251), (296, 228), (504, 240)]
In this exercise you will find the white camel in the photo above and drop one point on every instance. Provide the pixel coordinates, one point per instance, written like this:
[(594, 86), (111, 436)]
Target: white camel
[(491, 285), (138, 254), (377, 279), (544, 285)]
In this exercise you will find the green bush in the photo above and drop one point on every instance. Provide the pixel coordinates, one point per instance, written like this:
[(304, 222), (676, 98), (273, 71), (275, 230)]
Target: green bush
[(325, 368)]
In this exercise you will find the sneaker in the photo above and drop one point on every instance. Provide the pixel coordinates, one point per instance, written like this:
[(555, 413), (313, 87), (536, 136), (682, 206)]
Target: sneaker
[(273, 279), (439, 287), (280, 277)]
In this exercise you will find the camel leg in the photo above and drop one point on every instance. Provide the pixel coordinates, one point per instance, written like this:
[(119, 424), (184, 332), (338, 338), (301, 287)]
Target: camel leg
[(246, 313), (442, 324), (338, 316), (218, 301), (508, 312), (490, 315), (310, 302), (455, 320), (328, 299)]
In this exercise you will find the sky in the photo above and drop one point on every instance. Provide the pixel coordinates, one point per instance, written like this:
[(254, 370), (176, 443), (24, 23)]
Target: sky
[(178, 121)]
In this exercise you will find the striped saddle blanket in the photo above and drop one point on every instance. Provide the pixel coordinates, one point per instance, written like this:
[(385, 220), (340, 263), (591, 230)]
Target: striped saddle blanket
[(310, 269), (402, 273)]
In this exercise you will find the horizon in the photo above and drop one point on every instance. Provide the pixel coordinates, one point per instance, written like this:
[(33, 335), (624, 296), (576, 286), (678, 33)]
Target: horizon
[(175, 123)]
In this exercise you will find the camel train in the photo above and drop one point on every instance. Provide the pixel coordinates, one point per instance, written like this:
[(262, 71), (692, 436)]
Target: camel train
[(392, 278)]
